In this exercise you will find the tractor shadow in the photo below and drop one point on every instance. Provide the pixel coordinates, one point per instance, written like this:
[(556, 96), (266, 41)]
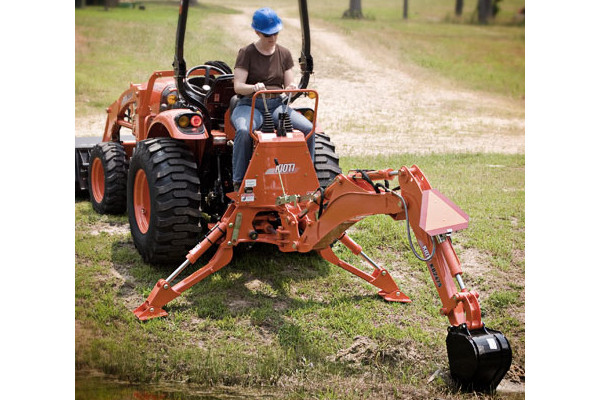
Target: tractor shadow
[(261, 285)]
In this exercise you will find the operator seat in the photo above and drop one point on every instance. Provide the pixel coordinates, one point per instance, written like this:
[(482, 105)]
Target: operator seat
[(218, 99)]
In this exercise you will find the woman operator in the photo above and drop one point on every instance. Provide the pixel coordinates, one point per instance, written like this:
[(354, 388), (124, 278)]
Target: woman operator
[(262, 65)]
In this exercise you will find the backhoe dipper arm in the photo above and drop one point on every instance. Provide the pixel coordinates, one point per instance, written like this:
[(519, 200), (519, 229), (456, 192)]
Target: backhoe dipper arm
[(431, 216), (478, 357)]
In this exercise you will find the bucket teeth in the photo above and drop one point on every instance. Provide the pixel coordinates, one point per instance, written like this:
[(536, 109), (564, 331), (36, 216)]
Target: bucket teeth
[(478, 359)]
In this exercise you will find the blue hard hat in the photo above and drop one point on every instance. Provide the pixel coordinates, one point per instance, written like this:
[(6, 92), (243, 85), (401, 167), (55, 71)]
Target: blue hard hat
[(266, 21)]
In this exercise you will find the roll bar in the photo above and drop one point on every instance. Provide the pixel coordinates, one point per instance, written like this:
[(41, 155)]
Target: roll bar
[(306, 60), (180, 68)]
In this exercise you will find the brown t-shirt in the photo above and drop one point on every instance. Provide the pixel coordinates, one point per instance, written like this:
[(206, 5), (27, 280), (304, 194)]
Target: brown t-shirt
[(266, 69)]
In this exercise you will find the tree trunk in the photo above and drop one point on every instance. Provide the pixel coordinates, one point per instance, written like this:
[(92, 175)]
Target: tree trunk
[(458, 8), (484, 11), (355, 10), (405, 10)]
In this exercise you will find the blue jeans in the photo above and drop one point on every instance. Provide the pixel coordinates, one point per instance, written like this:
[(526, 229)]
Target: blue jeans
[(242, 144)]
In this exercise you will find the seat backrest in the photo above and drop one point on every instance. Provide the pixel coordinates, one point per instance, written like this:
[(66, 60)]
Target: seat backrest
[(218, 99)]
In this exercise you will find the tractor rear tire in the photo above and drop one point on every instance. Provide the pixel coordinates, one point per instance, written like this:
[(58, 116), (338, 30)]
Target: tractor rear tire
[(327, 163), (107, 178), (163, 200)]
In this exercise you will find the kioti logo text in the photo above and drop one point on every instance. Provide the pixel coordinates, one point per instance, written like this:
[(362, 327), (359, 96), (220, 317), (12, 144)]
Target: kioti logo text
[(288, 168)]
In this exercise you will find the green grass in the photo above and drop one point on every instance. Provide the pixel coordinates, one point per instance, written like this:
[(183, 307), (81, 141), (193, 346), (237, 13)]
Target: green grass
[(121, 46), (270, 317)]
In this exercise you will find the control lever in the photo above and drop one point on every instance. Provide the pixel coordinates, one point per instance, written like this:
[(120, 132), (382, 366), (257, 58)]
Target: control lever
[(268, 125), (279, 174)]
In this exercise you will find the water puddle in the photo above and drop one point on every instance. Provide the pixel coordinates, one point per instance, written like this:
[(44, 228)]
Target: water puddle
[(98, 387), (101, 387)]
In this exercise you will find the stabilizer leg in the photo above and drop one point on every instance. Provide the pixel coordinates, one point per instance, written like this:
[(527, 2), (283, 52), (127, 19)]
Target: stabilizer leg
[(379, 278), (164, 292)]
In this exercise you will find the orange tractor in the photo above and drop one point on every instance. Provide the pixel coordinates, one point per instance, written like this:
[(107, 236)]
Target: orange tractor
[(173, 176)]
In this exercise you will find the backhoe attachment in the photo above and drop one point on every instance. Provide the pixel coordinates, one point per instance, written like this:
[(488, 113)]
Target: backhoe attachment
[(263, 211)]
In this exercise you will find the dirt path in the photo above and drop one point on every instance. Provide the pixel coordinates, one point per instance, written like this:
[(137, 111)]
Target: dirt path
[(388, 108), (373, 104)]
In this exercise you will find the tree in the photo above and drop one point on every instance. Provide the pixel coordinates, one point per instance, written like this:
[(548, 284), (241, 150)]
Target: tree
[(354, 10), (458, 8), (484, 11)]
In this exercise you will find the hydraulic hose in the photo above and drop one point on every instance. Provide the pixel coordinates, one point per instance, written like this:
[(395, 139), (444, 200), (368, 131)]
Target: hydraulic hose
[(378, 186), (412, 247)]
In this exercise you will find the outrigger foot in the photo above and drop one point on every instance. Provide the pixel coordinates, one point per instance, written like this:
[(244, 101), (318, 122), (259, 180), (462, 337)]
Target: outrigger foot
[(146, 312), (395, 296), (152, 307)]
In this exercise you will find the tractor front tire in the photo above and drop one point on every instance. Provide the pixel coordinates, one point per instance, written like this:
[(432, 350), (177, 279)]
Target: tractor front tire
[(107, 178), (327, 163), (163, 200)]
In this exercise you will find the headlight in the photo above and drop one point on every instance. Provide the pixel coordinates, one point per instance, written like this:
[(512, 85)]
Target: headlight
[(171, 99)]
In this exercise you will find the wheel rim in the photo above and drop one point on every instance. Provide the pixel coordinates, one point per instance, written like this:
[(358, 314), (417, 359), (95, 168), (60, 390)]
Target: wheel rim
[(97, 183), (141, 201)]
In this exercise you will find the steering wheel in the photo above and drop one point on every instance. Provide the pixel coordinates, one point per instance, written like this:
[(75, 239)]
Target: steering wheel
[(205, 88)]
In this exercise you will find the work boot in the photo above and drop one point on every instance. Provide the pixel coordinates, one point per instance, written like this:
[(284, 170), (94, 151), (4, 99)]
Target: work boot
[(236, 186)]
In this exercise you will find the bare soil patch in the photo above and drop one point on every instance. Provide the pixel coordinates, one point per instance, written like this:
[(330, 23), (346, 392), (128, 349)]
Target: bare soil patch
[(111, 229), (366, 351)]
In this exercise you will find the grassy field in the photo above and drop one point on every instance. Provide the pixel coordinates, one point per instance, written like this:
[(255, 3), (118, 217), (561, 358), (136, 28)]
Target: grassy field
[(488, 58), (126, 45), (286, 322)]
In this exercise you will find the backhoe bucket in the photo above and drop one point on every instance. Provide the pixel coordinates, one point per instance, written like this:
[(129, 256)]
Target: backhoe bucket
[(478, 359)]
